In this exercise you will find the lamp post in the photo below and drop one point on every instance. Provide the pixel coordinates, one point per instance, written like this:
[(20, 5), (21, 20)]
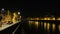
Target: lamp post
[(19, 16)]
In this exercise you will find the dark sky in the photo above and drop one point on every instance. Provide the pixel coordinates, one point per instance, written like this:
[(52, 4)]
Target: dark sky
[(30, 8), (13, 4)]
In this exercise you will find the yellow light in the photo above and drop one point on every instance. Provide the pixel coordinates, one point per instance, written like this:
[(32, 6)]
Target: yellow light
[(37, 23), (48, 26), (42, 24), (53, 18), (59, 27), (8, 16), (30, 22), (53, 27), (45, 18), (45, 25), (48, 18), (14, 17), (37, 18)]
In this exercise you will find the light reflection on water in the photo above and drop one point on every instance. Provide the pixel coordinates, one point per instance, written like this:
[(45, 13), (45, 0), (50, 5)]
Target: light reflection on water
[(36, 24), (41, 24), (30, 23), (53, 27), (46, 25), (59, 27)]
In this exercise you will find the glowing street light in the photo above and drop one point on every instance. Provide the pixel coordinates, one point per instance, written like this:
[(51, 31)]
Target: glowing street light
[(53, 27), (18, 12), (2, 8)]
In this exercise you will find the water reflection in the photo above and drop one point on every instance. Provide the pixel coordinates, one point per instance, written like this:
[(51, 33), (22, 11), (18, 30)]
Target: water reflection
[(30, 23), (59, 27), (42, 24), (53, 27), (48, 26), (45, 24), (36, 24)]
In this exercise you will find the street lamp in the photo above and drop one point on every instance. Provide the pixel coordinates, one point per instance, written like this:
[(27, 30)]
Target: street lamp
[(19, 13)]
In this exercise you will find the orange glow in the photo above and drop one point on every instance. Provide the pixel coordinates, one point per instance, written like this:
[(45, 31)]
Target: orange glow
[(53, 18), (45, 18), (48, 18), (58, 18), (14, 17), (9, 17)]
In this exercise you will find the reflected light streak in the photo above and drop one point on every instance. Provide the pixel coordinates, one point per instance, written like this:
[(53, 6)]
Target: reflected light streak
[(48, 26), (53, 27), (45, 25), (59, 28), (30, 23), (41, 23), (36, 24)]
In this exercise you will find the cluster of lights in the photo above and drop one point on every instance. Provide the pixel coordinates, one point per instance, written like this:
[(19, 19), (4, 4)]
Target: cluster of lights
[(44, 18), (45, 25), (9, 17)]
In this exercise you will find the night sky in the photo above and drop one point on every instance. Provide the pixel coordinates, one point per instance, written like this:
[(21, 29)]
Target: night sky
[(31, 8)]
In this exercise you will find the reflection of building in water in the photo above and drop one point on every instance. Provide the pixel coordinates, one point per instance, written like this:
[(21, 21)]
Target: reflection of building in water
[(45, 24), (48, 26), (53, 27), (41, 23), (49, 23), (30, 23), (59, 27), (36, 24)]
